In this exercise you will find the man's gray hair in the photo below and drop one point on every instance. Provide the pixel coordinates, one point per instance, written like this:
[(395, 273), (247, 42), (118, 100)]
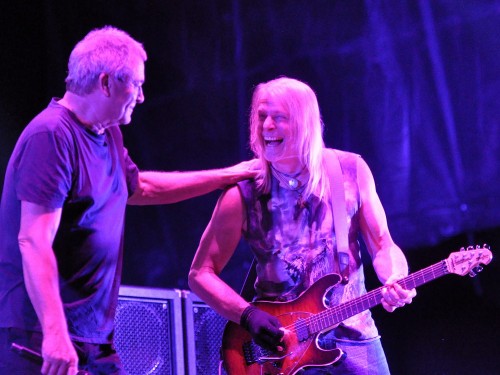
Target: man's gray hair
[(107, 50)]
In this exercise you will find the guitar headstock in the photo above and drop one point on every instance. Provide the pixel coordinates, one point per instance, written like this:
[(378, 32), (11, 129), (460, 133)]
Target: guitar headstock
[(469, 261)]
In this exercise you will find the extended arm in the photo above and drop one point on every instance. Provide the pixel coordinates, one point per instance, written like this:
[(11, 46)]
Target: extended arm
[(37, 232), (171, 187), (388, 260)]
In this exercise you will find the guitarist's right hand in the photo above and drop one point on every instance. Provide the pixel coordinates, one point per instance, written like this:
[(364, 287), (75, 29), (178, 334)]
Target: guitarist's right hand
[(266, 329)]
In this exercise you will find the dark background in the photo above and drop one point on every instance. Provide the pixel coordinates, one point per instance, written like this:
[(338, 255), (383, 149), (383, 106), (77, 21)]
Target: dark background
[(413, 86)]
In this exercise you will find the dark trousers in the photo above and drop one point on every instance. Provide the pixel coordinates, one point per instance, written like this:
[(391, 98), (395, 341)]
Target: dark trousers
[(96, 359)]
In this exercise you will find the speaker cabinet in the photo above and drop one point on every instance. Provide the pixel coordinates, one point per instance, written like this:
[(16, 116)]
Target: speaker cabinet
[(149, 334), (203, 336)]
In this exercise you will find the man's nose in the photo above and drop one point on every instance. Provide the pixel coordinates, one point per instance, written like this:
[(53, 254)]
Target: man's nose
[(140, 95), (268, 123)]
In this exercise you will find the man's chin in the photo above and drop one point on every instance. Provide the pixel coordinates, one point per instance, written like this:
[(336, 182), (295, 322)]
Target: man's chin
[(125, 121)]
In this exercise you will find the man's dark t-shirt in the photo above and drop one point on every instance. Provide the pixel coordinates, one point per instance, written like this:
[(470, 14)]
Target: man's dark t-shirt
[(58, 163)]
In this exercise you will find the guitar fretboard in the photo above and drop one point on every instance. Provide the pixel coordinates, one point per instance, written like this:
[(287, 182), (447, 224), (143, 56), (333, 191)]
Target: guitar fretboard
[(334, 315)]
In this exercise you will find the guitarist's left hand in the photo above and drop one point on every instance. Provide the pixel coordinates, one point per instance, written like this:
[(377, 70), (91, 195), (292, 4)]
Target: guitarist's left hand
[(394, 295)]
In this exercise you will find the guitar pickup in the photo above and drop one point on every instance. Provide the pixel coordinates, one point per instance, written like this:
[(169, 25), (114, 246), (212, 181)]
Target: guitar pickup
[(302, 330)]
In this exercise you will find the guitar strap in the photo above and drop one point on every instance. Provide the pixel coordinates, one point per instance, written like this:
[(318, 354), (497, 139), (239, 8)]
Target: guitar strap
[(334, 171), (339, 209), (248, 291)]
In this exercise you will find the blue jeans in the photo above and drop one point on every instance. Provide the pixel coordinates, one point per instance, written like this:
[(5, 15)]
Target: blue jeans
[(361, 358), (96, 359)]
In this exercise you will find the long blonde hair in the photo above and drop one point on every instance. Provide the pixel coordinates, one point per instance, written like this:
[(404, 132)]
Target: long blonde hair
[(306, 128)]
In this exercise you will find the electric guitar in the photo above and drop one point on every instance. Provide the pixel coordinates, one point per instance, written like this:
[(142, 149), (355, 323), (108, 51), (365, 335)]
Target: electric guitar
[(305, 317)]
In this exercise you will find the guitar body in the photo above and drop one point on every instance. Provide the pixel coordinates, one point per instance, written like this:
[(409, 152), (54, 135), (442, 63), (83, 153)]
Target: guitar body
[(306, 317), (297, 353)]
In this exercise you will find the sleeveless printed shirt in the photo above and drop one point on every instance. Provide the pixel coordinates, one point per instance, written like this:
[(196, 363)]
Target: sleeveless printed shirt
[(294, 245)]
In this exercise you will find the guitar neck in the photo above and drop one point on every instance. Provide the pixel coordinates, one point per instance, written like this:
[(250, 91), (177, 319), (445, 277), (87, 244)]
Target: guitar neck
[(331, 317)]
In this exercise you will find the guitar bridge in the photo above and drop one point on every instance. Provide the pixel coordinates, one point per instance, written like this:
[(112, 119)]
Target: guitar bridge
[(254, 353)]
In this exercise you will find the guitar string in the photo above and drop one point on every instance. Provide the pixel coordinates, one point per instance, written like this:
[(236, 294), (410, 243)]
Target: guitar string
[(327, 314), (428, 274), (335, 310), (374, 293)]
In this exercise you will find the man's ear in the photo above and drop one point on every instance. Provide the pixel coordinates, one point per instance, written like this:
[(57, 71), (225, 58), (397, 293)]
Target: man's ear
[(104, 84)]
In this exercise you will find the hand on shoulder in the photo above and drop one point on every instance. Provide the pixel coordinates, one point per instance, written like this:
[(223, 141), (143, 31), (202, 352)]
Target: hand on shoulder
[(243, 171)]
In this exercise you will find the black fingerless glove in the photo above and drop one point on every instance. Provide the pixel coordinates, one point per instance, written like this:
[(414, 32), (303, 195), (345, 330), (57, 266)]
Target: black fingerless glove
[(264, 328)]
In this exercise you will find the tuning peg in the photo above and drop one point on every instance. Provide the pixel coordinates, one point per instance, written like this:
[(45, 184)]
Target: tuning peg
[(470, 248), (462, 249), (478, 269), (475, 271)]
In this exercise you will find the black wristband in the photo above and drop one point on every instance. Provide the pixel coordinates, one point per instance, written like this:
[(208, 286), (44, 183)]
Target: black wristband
[(244, 316)]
